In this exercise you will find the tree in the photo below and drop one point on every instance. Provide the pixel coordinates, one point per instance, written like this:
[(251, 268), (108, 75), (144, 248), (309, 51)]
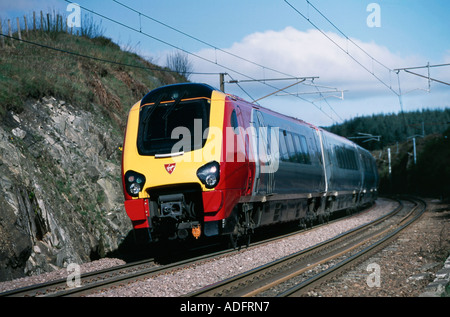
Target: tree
[(180, 63)]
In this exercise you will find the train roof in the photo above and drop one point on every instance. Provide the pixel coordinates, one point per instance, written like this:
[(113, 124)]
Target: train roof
[(296, 120), (275, 113), (193, 90)]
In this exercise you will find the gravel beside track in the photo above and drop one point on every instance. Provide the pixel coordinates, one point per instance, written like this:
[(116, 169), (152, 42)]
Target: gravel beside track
[(59, 274), (197, 276), (406, 267)]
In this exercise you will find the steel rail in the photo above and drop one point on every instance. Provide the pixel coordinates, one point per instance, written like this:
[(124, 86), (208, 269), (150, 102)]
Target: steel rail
[(123, 274), (135, 276), (263, 277), (61, 284), (302, 287)]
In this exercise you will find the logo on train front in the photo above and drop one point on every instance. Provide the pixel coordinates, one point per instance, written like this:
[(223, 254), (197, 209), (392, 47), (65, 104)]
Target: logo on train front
[(170, 167)]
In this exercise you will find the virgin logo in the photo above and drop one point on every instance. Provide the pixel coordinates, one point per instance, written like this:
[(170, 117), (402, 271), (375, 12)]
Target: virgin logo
[(170, 167)]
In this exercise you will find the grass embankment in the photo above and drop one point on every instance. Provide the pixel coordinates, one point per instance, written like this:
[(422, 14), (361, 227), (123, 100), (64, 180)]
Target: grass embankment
[(29, 71)]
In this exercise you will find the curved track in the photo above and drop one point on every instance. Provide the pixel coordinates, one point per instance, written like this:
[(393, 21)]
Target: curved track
[(255, 282), (291, 276)]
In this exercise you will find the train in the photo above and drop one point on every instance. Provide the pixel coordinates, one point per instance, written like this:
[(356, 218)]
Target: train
[(199, 163)]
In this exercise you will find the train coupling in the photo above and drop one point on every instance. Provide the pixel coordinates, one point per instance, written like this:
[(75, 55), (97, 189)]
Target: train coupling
[(174, 206), (171, 205)]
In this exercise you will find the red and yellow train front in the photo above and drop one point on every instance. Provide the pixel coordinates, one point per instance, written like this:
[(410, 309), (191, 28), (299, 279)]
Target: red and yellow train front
[(178, 177)]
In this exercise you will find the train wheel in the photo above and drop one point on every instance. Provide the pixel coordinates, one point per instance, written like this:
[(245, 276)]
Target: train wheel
[(234, 238), (237, 240)]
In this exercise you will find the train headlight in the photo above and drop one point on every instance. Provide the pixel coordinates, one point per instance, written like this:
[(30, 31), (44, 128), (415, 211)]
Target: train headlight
[(209, 174), (134, 183), (135, 189)]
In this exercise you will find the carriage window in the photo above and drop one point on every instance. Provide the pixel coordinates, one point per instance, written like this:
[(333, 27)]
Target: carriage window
[(284, 156), (305, 150), (271, 134), (302, 149), (291, 149), (346, 158)]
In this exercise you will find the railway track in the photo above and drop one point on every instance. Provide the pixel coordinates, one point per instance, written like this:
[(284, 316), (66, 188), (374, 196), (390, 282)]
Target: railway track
[(295, 274), (129, 273), (88, 281)]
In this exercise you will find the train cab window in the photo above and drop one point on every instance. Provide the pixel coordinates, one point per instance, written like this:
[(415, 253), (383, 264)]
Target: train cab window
[(158, 124)]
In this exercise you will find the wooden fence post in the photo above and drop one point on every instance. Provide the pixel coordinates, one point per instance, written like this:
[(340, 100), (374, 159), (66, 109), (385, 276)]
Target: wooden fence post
[(26, 24), (9, 28), (42, 22), (1, 35), (18, 29), (10, 33)]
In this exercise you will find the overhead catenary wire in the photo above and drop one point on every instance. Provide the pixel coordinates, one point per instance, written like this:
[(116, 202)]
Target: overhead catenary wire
[(239, 57), (162, 41), (340, 47), (149, 35), (426, 66), (296, 83), (427, 77), (125, 64), (201, 41), (326, 101), (96, 58), (348, 38), (408, 70), (237, 83), (190, 53)]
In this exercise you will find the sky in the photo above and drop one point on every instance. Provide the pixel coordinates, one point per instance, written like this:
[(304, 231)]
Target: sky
[(352, 48)]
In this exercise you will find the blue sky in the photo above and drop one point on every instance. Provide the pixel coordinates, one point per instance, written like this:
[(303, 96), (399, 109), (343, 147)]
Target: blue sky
[(274, 35)]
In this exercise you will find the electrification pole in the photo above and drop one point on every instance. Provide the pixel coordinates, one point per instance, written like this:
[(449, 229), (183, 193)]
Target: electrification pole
[(222, 81)]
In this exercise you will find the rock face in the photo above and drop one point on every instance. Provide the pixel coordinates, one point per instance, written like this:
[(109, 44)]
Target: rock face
[(61, 195)]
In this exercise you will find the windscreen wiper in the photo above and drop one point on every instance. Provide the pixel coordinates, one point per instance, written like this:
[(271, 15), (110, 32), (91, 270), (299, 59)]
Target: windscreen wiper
[(152, 109), (172, 106), (170, 109)]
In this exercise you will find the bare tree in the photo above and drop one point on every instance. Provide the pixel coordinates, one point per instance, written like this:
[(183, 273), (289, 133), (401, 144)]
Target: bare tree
[(179, 61)]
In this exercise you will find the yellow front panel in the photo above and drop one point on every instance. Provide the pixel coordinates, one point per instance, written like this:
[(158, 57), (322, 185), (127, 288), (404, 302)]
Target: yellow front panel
[(187, 164)]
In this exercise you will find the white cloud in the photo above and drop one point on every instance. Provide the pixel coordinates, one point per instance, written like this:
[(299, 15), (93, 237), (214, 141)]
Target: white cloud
[(310, 53)]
